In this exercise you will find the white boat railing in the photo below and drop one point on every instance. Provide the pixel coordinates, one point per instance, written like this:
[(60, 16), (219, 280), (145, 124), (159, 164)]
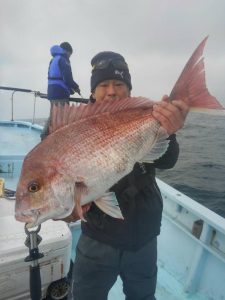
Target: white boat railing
[(15, 90), (36, 95)]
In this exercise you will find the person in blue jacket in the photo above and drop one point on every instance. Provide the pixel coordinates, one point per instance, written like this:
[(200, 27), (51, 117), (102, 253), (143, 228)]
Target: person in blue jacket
[(60, 79)]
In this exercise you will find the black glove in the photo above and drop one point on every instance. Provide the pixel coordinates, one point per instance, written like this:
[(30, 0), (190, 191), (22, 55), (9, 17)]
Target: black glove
[(72, 91), (77, 90)]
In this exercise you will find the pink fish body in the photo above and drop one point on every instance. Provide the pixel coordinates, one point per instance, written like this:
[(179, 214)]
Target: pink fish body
[(91, 147), (86, 157)]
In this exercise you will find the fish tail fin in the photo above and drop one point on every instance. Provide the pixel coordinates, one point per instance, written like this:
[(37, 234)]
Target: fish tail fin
[(191, 85)]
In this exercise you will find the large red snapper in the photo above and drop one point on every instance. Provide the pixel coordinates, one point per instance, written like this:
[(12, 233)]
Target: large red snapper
[(91, 147)]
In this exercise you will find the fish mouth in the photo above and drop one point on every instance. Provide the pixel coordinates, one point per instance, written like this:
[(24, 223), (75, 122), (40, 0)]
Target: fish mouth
[(32, 224), (31, 217), (34, 217)]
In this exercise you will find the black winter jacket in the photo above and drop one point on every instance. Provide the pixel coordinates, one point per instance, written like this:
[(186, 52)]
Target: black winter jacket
[(140, 202)]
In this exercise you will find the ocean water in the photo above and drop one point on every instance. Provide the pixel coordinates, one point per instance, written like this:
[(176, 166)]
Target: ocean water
[(200, 170)]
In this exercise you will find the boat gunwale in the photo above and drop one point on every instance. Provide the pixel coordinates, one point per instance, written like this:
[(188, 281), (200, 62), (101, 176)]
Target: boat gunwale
[(210, 217), (21, 124)]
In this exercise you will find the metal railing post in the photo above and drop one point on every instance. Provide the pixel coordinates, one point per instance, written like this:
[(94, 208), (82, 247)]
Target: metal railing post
[(12, 105), (35, 98)]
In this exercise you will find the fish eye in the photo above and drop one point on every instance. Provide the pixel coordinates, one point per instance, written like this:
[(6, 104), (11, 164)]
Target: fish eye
[(33, 187)]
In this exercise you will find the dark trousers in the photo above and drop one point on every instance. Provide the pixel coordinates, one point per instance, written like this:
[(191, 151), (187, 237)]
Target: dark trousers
[(45, 130), (97, 266)]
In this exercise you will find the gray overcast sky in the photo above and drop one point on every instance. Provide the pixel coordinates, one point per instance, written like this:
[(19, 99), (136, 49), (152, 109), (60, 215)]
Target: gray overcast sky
[(156, 37)]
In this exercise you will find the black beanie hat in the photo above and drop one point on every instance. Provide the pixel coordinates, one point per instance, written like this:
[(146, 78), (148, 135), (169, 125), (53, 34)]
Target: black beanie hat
[(109, 68), (66, 46)]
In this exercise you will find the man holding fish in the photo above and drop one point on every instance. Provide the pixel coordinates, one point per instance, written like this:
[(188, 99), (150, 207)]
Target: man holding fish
[(98, 165), (108, 246)]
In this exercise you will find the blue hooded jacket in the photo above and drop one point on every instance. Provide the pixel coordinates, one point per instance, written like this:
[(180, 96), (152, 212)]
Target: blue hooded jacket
[(60, 79)]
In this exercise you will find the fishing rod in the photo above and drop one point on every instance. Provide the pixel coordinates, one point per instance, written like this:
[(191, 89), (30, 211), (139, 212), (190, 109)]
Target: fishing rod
[(42, 95), (36, 94)]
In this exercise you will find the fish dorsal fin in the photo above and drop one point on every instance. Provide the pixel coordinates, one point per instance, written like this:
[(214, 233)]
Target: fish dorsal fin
[(64, 115), (191, 85)]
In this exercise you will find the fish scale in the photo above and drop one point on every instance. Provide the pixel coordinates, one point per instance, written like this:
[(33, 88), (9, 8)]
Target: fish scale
[(103, 156)]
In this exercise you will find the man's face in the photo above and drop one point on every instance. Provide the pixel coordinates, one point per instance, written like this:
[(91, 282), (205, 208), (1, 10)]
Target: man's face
[(111, 90)]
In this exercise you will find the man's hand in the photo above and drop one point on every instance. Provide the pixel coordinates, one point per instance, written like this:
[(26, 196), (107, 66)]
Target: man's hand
[(171, 115)]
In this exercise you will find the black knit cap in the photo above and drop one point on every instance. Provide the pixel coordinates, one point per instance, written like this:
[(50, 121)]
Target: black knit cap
[(111, 70), (66, 46)]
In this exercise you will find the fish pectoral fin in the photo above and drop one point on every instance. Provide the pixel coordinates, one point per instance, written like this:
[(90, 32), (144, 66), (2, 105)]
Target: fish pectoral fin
[(80, 190), (109, 205), (159, 148)]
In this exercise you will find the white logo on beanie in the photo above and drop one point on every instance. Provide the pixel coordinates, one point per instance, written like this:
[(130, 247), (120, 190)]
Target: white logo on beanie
[(119, 73)]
